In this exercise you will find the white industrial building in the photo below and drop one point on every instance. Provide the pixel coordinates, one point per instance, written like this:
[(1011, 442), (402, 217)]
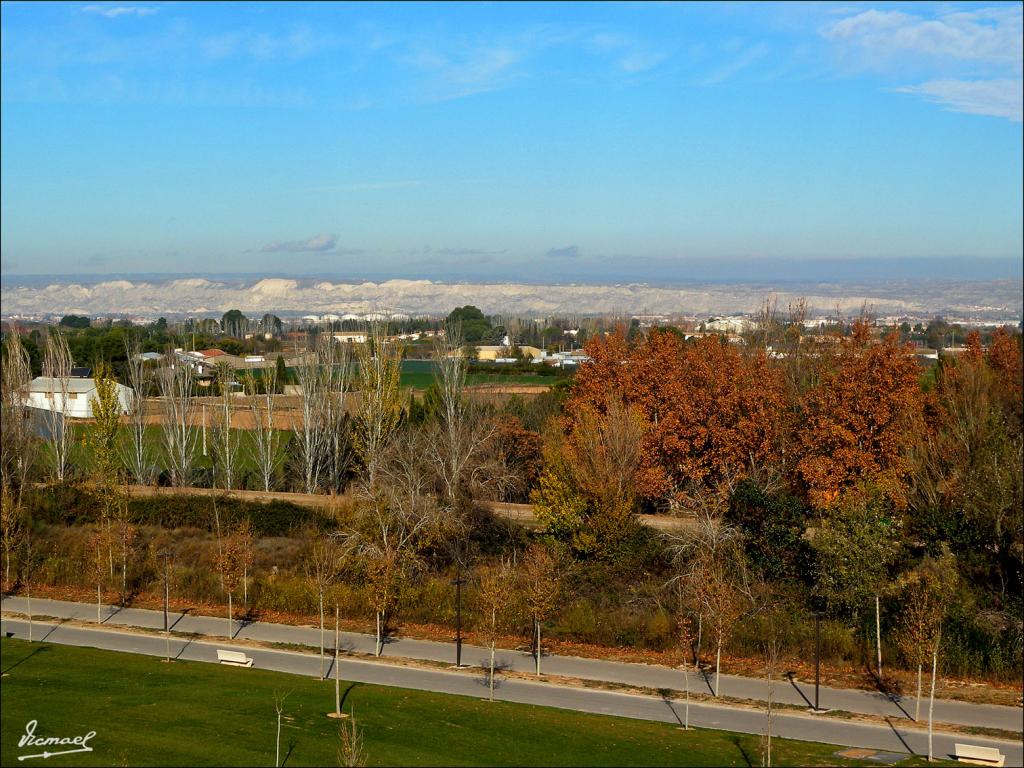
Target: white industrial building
[(48, 394)]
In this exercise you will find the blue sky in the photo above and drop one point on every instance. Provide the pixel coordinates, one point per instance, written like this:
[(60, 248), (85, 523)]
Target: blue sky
[(561, 141)]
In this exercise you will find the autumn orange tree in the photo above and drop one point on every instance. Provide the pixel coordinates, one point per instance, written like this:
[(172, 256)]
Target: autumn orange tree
[(861, 419), (1004, 358), (709, 411)]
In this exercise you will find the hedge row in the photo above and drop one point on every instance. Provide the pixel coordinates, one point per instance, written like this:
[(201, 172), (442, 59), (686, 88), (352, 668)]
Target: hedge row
[(73, 505)]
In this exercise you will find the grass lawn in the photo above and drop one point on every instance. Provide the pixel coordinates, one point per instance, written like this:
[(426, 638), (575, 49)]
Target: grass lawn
[(146, 712)]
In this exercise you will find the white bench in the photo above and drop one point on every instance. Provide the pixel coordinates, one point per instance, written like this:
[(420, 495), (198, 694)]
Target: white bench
[(968, 753), (236, 658)]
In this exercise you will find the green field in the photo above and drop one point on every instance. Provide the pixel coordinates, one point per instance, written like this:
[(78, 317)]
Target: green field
[(146, 712), (422, 380), (419, 374)]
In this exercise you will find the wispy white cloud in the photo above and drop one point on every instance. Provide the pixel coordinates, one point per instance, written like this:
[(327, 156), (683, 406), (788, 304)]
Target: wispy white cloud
[(968, 61), (317, 243), (114, 11), (298, 42), (465, 70), (746, 58), (636, 62), (997, 97), (630, 56), (454, 66), (990, 35)]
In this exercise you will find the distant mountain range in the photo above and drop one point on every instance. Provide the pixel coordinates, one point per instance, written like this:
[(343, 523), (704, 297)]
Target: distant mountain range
[(155, 296)]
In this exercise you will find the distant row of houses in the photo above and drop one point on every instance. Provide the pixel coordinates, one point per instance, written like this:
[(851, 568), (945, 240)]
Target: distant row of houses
[(499, 354)]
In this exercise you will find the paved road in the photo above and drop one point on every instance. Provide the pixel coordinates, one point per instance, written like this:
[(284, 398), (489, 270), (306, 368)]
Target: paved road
[(641, 675), (794, 726)]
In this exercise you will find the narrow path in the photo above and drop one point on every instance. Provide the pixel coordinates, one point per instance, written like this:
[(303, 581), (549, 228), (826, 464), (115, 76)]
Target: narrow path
[(891, 738), (797, 693)]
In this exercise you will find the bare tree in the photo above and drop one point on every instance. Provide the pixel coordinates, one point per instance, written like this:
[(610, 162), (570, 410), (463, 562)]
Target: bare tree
[(103, 437), (126, 535), (225, 442), (794, 363), (136, 452), (229, 563), (710, 540), (98, 566), (774, 638), (541, 584), (496, 589), (685, 629), (57, 364), (265, 441), (320, 437), (16, 443), (175, 380), (247, 552), (913, 636), (12, 528), (765, 325), (351, 752), (279, 708), (927, 592), (335, 418), (394, 517), (723, 607), (337, 666), (380, 404), (462, 436), (29, 563), (322, 566)]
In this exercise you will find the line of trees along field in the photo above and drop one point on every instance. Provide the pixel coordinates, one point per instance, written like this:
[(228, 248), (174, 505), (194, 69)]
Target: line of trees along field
[(831, 476)]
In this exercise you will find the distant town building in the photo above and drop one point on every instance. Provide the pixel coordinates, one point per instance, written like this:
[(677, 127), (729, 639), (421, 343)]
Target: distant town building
[(733, 324), (493, 352), (47, 394)]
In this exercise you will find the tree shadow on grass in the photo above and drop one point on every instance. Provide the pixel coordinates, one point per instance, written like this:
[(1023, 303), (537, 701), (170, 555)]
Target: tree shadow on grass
[(291, 748), (344, 696), (22, 660), (738, 741)]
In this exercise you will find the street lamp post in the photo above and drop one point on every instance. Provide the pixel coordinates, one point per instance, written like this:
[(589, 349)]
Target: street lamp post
[(458, 582)]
